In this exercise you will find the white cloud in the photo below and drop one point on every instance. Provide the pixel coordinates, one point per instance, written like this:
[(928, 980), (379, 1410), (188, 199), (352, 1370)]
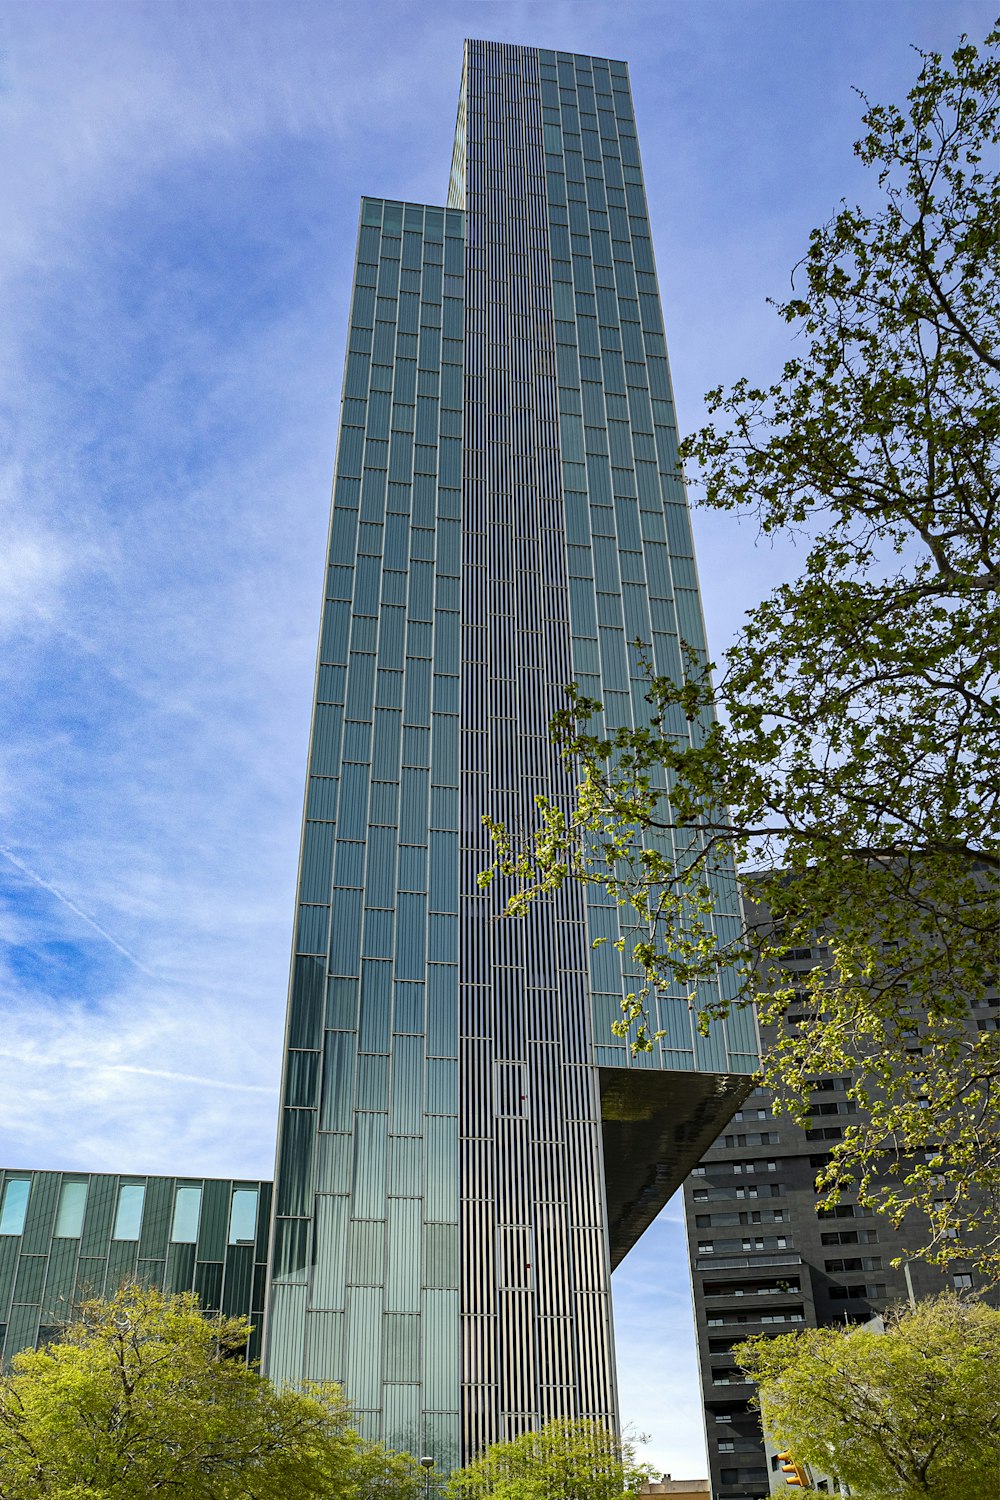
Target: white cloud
[(34, 567), (156, 1082)]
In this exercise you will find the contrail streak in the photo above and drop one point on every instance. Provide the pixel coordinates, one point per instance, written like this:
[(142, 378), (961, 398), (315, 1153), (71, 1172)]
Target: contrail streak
[(35, 1061), (215, 1083), (32, 875)]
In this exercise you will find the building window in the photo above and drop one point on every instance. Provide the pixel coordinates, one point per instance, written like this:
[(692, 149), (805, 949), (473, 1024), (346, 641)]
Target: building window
[(243, 1216), (727, 1447), (128, 1218), (69, 1218), (187, 1211), (962, 1281), (15, 1205), (705, 1247)]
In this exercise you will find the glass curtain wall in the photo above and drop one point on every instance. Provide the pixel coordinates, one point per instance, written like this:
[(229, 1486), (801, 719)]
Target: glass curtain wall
[(365, 1256), (629, 551)]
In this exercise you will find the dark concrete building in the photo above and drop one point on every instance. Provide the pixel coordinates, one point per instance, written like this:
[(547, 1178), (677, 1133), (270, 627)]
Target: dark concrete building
[(765, 1259)]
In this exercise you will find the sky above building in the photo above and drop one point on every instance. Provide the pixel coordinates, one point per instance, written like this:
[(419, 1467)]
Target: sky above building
[(181, 186)]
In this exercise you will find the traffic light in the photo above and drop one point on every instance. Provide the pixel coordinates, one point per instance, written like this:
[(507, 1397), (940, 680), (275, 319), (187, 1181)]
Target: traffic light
[(794, 1472)]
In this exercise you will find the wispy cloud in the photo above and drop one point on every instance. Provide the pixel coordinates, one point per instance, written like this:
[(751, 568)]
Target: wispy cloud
[(34, 567), (108, 1070)]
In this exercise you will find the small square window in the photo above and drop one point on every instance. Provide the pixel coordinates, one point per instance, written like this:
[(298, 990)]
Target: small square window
[(187, 1211), (15, 1205), (69, 1218), (243, 1216), (128, 1218)]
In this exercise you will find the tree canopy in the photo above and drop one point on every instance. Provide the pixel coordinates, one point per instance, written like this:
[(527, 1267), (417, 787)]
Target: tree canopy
[(846, 759), (144, 1396), (564, 1460), (909, 1414)]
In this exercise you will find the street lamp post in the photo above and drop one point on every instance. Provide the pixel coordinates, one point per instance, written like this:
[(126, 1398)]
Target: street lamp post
[(427, 1465)]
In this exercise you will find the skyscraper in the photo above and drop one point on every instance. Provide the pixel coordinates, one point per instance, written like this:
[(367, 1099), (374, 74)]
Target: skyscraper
[(465, 1150)]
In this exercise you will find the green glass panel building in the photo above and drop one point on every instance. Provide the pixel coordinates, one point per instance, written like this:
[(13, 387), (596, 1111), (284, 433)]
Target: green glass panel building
[(465, 1150), (68, 1236)]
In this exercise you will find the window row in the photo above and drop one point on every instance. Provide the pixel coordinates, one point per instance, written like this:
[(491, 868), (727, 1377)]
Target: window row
[(790, 1315), (721, 1220), (710, 1247), (128, 1211)]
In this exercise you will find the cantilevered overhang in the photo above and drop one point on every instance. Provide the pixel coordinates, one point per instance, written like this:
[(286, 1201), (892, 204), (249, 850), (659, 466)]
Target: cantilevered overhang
[(657, 1126)]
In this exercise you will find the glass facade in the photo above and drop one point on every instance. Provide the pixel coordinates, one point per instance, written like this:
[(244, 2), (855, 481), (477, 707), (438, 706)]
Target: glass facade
[(365, 1285), (68, 1236), (465, 1149)]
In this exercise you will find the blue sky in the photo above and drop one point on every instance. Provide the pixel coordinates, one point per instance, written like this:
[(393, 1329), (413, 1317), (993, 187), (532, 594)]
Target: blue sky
[(180, 200)]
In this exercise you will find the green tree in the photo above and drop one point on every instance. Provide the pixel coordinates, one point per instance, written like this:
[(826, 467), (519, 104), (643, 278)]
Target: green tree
[(847, 761), (144, 1396), (564, 1460), (909, 1414)]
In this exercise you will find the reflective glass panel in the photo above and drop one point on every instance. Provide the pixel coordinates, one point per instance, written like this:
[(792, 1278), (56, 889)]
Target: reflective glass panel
[(69, 1218), (187, 1211), (15, 1205), (128, 1218), (243, 1216)]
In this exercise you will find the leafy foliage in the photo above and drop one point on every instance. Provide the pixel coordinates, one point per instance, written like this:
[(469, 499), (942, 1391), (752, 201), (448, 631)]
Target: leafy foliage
[(909, 1414), (848, 760), (143, 1397), (564, 1460)]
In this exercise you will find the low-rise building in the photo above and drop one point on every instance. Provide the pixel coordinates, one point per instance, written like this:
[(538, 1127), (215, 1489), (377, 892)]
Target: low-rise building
[(68, 1236)]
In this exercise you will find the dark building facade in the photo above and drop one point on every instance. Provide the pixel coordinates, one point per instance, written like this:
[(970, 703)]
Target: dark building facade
[(465, 1149), (764, 1259), (67, 1236)]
